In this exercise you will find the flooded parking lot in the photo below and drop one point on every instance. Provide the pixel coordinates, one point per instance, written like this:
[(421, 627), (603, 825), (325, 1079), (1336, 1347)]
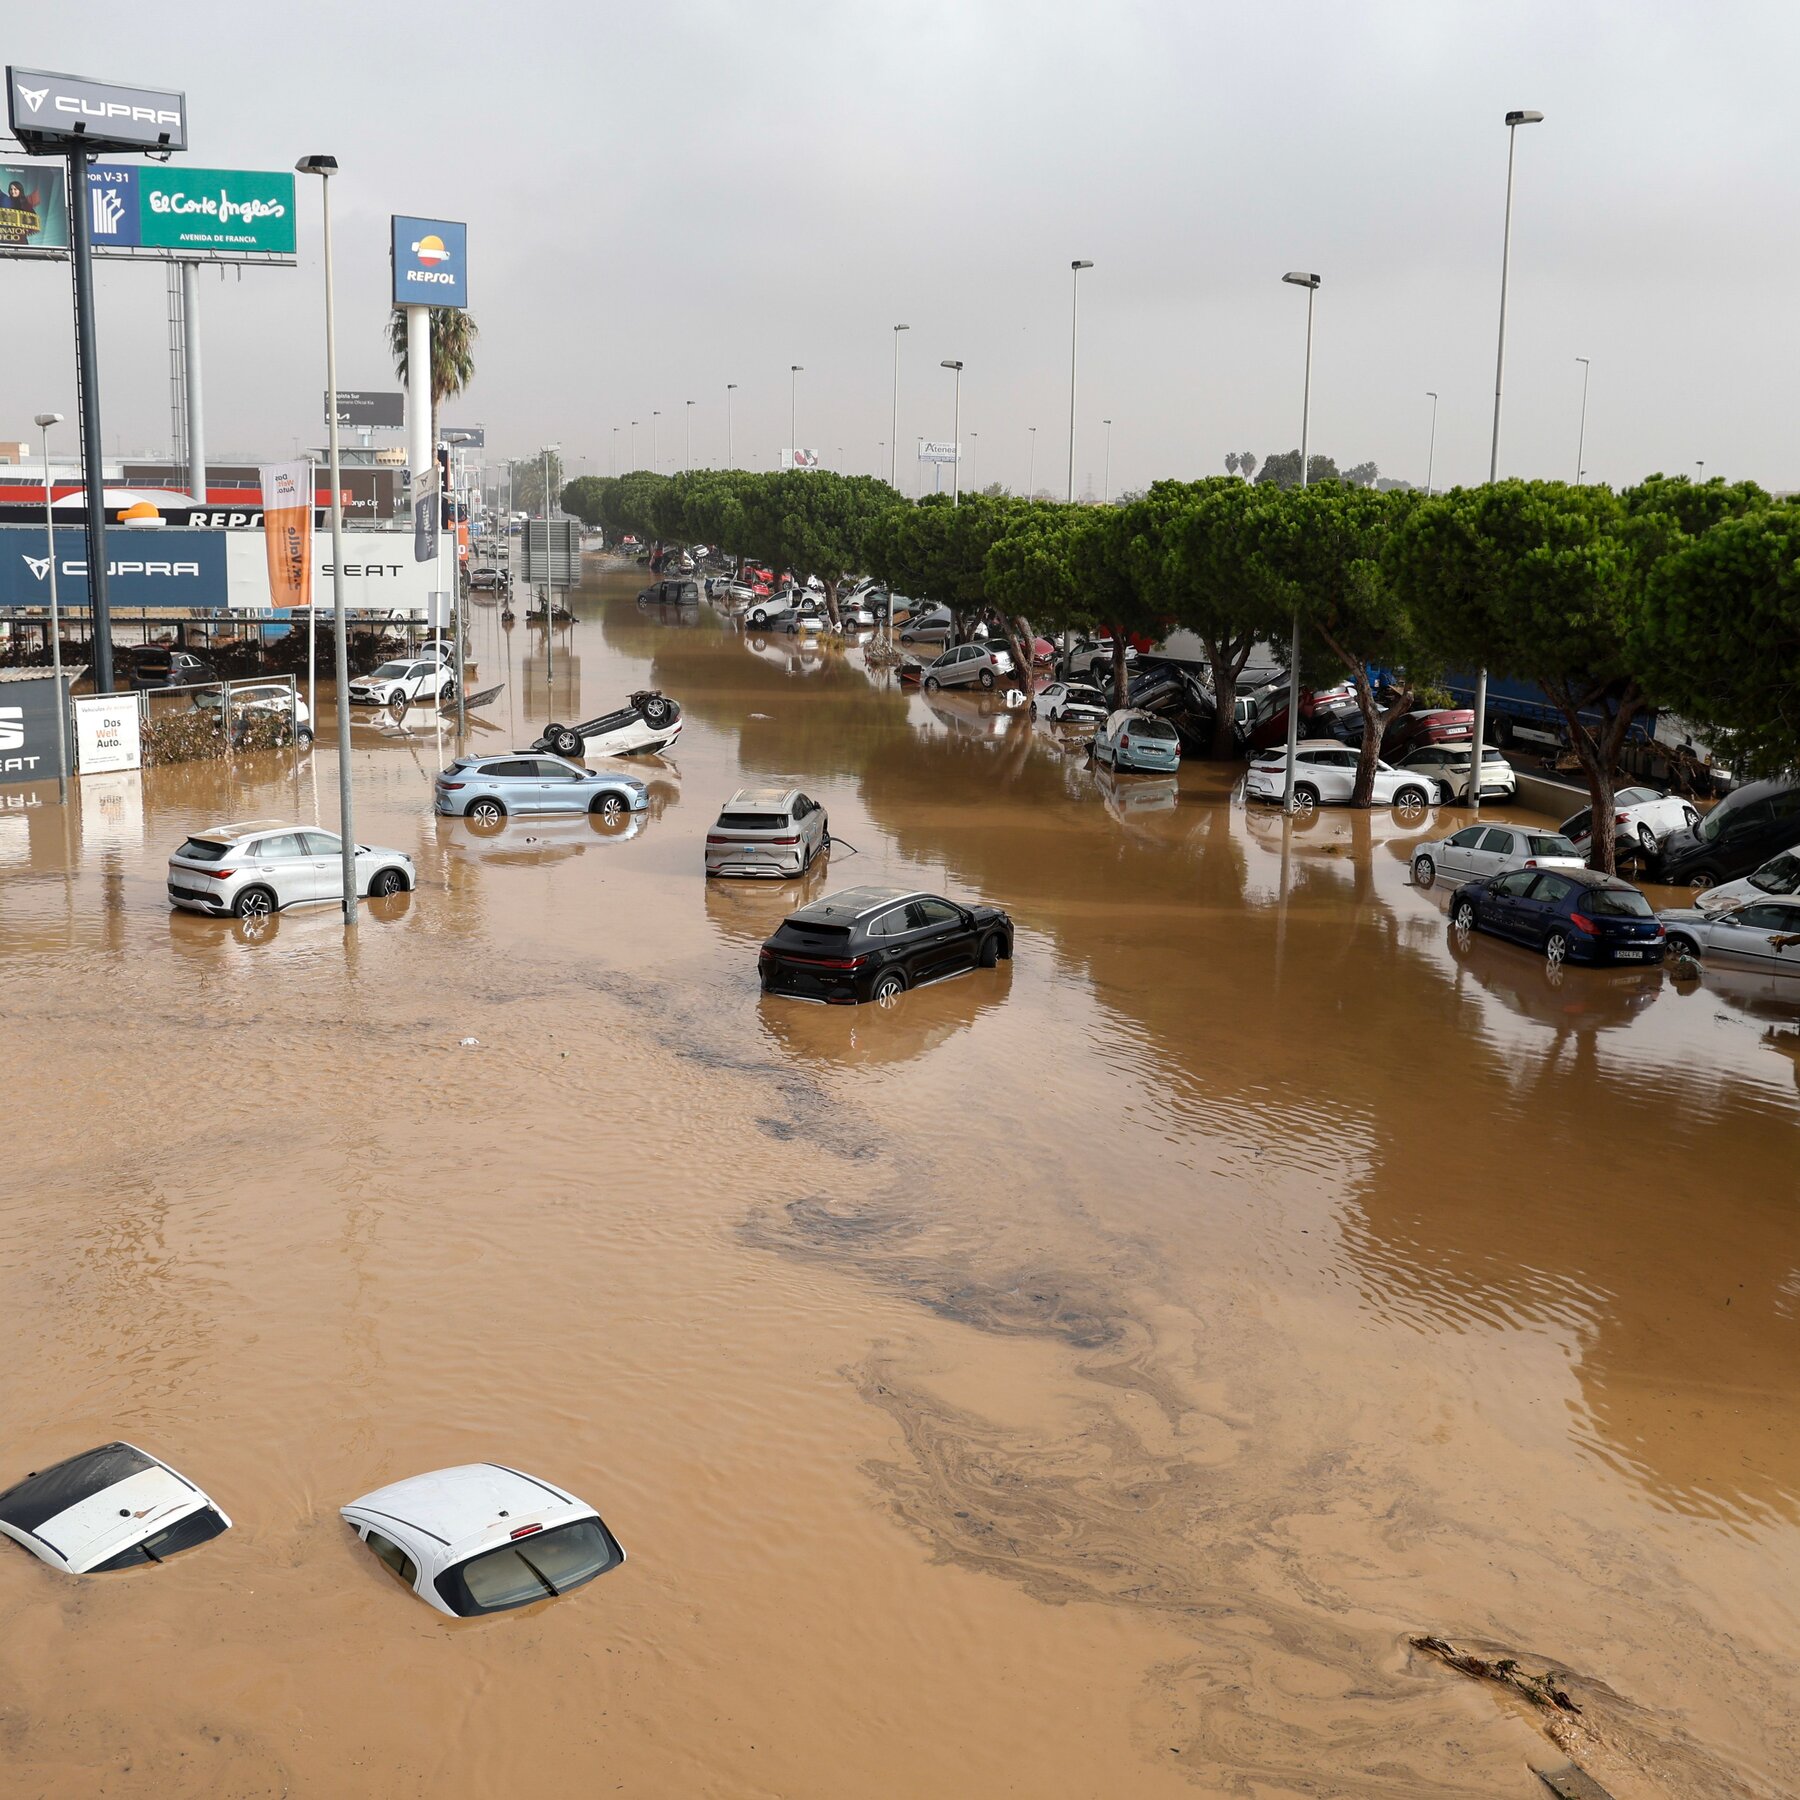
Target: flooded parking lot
[(1084, 1379)]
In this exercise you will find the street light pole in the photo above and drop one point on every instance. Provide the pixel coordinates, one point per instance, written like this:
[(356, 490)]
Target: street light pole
[(325, 167), (1431, 452), (1701, 466), (688, 468), (44, 421), (894, 423), (1298, 278), (795, 371), (634, 424), (1075, 269), (1513, 121), (1581, 436), (730, 389), (655, 454), (955, 437), (1106, 480), (613, 465)]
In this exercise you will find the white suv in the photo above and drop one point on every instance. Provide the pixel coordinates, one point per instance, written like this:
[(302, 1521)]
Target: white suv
[(256, 868), (402, 684), (1325, 770)]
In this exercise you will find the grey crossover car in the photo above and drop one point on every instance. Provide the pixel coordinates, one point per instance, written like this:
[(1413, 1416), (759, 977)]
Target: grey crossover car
[(770, 832), (487, 789), (259, 867)]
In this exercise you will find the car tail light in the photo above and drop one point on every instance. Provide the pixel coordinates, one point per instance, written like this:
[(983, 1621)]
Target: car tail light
[(524, 1531), (785, 840), (765, 954), (1661, 929), (214, 874), (1584, 925), (1124, 743), (1621, 818), (448, 784), (1531, 862)]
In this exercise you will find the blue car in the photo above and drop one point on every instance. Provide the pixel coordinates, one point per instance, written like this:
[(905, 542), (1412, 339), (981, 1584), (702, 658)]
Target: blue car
[(1572, 915), (488, 789), (1135, 740)]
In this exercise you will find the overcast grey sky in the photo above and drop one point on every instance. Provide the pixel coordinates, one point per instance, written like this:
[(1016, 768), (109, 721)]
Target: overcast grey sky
[(663, 198)]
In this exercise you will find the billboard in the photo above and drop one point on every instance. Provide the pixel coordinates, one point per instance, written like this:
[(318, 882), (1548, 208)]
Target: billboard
[(799, 459), (28, 729), (939, 453), (34, 207), (55, 113), (369, 410), (171, 566), (380, 575), (430, 262), (204, 213), (106, 733)]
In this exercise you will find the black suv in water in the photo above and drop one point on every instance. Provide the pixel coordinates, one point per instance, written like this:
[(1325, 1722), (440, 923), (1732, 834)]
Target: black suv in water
[(157, 667), (873, 943), (1737, 837)]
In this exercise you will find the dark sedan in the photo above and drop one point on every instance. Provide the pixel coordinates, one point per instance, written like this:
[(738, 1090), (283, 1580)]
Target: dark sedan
[(1572, 915), (873, 943)]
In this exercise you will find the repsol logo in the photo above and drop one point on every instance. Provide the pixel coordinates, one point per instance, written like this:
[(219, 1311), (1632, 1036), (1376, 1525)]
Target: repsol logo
[(432, 277)]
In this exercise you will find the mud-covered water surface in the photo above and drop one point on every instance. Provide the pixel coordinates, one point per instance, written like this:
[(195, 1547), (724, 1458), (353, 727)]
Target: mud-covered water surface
[(1087, 1379)]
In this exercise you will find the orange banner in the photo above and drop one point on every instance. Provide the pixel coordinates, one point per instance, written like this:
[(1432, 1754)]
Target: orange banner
[(287, 496)]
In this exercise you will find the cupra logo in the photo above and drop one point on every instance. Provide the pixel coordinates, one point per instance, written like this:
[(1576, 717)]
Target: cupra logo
[(33, 97), (39, 566), (431, 250)]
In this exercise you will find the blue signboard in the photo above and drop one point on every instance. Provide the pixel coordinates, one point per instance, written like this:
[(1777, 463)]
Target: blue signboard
[(431, 266), (166, 567), (113, 206)]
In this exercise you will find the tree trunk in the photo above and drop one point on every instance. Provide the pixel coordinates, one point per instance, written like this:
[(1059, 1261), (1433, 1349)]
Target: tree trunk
[(1224, 666), (1598, 756), (831, 601), (1023, 640), (1373, 717), (1121, 677)]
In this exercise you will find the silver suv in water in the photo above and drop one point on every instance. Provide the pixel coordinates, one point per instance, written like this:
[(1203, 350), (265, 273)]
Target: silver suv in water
[(772, 832), (259, 867)]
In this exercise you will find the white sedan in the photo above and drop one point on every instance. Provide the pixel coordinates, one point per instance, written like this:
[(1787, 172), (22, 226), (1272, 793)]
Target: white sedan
[(1767, 933), (1448, 765), (1493, 850), (1776, 879), (1071, 703), (1325, 773), (1642, 818)]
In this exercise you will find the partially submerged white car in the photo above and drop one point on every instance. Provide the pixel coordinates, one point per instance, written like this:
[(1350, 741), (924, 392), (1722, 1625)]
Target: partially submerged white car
[(483, 1538), (112, 1508)]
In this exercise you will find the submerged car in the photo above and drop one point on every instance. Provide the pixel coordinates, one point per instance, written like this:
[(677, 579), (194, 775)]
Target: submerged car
[(647, 723), (1493, 850), (115, 1507), (487, 789), (769, 832), (1766, 932), (968, 665), (1071, 703), (1449, 765), (1776, 879), (873, 943), (263, 865), (1642, 819), (1572, 915), (1325, 771), (483, 1538), (419, 682), (1133, 740), (670, 593)]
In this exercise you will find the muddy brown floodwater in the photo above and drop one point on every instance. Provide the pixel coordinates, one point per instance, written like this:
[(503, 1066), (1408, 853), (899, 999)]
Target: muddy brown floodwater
[(1086, 1380)]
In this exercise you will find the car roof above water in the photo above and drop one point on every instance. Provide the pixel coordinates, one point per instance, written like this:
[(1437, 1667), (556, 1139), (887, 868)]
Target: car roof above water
[(231, 834), (851, 904), (748, 799), (456, 1504)]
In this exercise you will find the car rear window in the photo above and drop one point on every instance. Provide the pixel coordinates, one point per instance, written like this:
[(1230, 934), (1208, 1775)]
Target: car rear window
[(197, 1528), (537, 1567), (749, 821), (1152, 728), (1552, 846), (1616, 903), (47, 1492), (203, 850)]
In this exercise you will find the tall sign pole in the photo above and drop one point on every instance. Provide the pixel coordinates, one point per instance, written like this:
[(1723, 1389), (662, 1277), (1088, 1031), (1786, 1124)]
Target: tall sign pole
[(87, 383)]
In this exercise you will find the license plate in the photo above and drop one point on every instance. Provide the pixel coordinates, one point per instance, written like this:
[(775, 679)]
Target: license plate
[(1630, 955)]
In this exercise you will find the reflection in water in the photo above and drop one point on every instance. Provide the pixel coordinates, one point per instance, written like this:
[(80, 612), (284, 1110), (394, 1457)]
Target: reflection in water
[(1244, 1259)]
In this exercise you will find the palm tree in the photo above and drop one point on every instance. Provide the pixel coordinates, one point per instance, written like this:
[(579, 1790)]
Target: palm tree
[(453, 335)]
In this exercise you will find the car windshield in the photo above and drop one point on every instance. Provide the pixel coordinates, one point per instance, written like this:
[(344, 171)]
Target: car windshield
[(1779, 875), (1616, 903), (389, 671), (535, 1568), (1552, 845), (203, 850)]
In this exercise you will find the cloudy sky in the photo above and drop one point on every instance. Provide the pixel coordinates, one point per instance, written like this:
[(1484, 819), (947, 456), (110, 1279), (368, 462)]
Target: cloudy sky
[(662, 199)]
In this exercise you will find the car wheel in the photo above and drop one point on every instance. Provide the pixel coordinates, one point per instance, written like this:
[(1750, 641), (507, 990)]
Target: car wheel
[(447, 694), (1411, 799), (386, 882), (889, 986), (986, 678), (486, 815), (1556, 949), (656, 709), (1647, 838), (931, 684), (1682, 945), (1503, 731), (306, 736), (1465, 917), (1306, 796), (1424, 871), (610, 809), (989, 953), (254, 903), (396, 703), (759, 617), (1702, 879), (564, 741)]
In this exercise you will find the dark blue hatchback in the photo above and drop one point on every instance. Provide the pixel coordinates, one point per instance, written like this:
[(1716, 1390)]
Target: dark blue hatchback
[(1572, 915)]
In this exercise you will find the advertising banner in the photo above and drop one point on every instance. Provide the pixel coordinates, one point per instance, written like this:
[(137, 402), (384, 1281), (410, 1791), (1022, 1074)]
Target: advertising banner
[(287, 531), (380, 575), (375, 412), (939, 453), (799, 459), (106, 733), (112, 203), (173, 566), (34, 207), (57, 112), (28, 730), (430, 262), (216, 209)]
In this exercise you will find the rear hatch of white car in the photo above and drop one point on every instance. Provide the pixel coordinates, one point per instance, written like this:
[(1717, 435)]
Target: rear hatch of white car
[(745, 842), (198, 867)]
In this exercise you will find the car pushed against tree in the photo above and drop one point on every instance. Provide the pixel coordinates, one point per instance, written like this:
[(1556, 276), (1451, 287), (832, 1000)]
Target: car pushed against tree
[(873, 943)]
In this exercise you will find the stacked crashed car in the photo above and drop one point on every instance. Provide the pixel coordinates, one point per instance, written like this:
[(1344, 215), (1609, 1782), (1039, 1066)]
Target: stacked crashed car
[(483, 1538), (487, 789), (1572, 915), (1070, 703), (1642, 819), (1325, 772), (873, 943), (1132, 740), (263, 865), (769, 832), (116, 1507)]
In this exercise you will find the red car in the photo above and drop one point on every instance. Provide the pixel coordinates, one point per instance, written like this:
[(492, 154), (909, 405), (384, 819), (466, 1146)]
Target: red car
[(1414, 730)]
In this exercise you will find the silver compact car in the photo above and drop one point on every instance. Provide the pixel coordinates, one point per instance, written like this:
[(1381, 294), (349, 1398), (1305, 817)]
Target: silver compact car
[(264, 865), (768, 832), (487, 789), (968, 665)]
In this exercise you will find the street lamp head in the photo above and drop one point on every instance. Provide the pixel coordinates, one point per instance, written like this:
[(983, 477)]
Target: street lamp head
[(903, 328), (44, 421), (796, 368), (950, 365), (316, 165), (1431, 393), (730, 386), (1081, 265), (1582, 360), (1524, 118), (1300, 278)]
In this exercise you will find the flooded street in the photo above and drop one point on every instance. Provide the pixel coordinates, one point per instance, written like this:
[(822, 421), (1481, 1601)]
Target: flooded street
[(1082, 1381)]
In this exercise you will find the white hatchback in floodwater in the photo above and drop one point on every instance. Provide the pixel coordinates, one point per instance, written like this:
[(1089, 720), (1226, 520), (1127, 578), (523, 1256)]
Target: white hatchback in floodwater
[(112, 1508), (483, 1538)]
